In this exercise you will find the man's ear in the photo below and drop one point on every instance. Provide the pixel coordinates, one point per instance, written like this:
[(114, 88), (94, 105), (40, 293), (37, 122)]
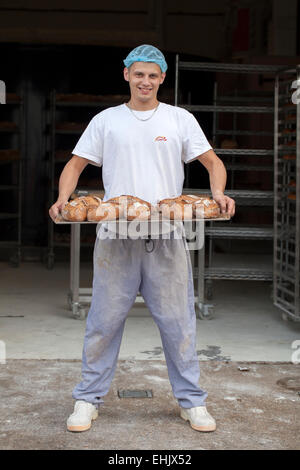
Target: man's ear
[(126, 74), (162, 78)]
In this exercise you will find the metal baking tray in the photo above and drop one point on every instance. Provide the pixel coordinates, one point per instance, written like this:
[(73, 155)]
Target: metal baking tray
[(59, 220)]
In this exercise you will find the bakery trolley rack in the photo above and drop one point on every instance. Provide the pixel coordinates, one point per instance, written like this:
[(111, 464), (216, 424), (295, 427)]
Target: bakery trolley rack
[(286, 255), (78, 297)]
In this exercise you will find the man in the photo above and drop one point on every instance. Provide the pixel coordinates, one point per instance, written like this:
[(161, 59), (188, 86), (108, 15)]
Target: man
[(142, 146)]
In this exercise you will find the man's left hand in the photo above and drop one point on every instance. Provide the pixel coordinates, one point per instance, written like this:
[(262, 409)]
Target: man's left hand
[(227, 205)]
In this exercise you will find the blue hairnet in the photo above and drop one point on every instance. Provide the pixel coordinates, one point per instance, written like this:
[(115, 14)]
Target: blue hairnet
[(146, 53)]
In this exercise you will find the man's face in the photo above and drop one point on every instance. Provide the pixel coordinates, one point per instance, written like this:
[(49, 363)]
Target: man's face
[(144, 80)]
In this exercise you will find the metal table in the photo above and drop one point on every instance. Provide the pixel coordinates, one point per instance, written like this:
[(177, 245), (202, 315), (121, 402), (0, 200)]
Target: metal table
[(79, 296)]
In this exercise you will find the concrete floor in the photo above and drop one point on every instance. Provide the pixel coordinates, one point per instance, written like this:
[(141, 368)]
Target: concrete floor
[(36, 323), (251, 409), (43, 345)]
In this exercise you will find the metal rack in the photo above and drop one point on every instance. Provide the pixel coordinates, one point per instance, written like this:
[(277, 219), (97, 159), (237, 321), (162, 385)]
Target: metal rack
[(11, 160), (286, 280), (236, 104), (66, 113), (78, 296)]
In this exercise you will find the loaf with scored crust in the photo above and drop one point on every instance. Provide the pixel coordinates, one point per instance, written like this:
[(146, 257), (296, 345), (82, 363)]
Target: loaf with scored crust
[(105, 211), (186, 207), (77, 209)]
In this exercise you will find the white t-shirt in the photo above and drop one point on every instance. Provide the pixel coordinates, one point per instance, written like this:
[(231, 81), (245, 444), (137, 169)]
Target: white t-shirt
[(142, 158)]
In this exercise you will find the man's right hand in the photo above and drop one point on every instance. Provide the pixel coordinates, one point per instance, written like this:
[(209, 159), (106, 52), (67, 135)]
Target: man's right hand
[(56, 209)]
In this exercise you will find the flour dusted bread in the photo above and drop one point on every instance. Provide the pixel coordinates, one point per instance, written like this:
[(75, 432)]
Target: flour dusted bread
[(124, 206), (206, 208), (186, 207), (126, 199), (105, 211), (170, 201), (138, 210), (76, 210), (132, 207), (190, 198), (175, 209), (90, 201)]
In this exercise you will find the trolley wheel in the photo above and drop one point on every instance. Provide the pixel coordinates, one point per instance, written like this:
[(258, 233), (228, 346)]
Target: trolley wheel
[(79, 312), (205, 311), (285, 317)]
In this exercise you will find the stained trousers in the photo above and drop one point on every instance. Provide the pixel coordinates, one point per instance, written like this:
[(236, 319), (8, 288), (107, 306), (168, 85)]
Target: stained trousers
[(161, 271)]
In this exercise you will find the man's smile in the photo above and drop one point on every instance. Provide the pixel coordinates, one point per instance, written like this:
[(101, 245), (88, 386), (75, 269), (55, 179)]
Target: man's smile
[(145, 90)]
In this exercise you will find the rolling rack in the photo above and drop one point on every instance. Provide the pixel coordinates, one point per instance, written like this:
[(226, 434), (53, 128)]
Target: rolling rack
[(68, 116), (236, 105), (11, 160), (286, 281)]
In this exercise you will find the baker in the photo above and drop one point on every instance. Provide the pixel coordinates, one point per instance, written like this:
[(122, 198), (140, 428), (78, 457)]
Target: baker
[(142, 147)]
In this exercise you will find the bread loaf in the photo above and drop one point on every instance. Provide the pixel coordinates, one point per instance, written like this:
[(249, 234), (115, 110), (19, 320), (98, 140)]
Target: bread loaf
[(125, 199), (176, 210), (138, 210), (189, 198), (90, 201), (76, 210), (105, 211), (186, 207), (206, 208)]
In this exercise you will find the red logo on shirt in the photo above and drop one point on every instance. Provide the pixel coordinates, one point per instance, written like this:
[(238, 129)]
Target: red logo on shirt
[(161, 138)]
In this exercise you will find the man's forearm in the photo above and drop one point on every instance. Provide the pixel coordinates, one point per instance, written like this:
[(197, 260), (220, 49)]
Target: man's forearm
[(217, 177), (67, 182)]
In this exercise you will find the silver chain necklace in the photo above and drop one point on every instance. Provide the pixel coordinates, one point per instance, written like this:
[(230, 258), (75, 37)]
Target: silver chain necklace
[(147, 119)]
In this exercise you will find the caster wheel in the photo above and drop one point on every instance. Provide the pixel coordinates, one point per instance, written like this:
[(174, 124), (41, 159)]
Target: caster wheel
[(205, 312), (285, 317), (79, 313)]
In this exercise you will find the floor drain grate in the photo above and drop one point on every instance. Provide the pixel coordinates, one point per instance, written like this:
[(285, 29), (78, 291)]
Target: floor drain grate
[(135, 394)]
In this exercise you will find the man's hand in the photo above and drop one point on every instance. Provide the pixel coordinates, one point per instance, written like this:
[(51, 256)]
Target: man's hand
[(227, 205), (56, 209), (217, 177), (67, 183)]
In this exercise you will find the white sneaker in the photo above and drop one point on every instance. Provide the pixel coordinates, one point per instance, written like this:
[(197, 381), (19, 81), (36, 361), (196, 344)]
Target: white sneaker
[(81, 418), (199, 418)]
